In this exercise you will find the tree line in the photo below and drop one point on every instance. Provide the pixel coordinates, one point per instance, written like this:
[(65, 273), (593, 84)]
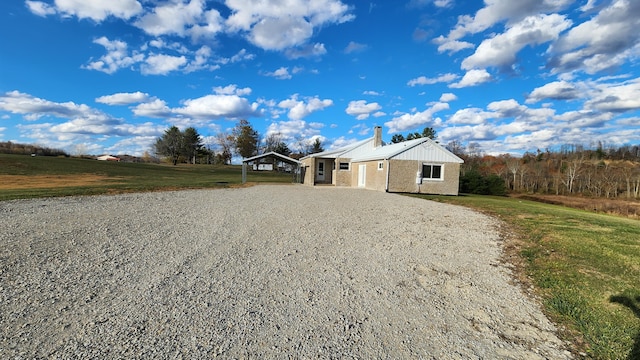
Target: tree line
[(8, 147), (243, 140), (610, 172)]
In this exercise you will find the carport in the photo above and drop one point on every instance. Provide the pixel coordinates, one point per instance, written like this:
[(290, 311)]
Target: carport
[(296, 165)]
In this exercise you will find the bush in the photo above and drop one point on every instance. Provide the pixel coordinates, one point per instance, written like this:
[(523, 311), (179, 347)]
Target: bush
[(473, 182)]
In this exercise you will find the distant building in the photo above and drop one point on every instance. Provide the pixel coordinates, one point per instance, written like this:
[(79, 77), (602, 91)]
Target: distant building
[(108, 158)]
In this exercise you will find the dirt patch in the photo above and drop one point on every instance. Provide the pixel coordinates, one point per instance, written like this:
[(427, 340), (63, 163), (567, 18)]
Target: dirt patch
[(52, 181)]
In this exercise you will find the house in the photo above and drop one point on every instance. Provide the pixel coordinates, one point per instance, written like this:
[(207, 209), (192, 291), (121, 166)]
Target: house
[(414, 166), (108, 158)]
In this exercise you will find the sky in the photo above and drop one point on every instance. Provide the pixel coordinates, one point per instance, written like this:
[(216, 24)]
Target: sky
[(501, 76)]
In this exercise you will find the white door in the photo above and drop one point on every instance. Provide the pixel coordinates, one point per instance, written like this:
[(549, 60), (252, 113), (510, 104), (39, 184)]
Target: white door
[(320, 172), (362, 175)]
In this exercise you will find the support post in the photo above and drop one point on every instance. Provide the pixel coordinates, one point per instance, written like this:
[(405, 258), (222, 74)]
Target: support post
[(244, 172)]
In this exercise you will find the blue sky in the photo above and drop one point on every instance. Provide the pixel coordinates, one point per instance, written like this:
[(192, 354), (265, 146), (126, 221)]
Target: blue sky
[(94, 76)]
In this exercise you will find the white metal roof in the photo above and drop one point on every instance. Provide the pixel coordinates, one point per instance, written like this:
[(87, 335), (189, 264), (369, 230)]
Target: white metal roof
[(274, 154), (422, 149), (339, 152)]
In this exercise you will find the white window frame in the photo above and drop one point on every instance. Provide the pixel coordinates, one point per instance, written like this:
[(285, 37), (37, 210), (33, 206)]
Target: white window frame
[(380, 165), (344, 162), (428, 177)]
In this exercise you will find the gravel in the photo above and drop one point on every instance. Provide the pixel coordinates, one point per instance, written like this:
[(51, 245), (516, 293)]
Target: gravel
[(269, 271)]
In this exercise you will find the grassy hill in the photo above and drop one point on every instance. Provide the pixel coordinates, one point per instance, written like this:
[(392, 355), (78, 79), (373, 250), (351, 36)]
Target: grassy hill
[(583, 266), (23, 176)]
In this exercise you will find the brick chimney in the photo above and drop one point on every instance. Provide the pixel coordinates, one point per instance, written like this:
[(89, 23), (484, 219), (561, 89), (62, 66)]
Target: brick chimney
[(377, 136)]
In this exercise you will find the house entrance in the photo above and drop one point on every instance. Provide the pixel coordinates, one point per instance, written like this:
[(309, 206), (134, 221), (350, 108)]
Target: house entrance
[(320, 172), (362, 175)]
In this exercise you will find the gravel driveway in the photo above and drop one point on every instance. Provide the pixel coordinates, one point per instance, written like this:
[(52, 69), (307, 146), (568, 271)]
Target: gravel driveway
[(284, 271)]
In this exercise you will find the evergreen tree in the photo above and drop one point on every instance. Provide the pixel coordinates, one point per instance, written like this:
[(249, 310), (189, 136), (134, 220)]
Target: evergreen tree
[(246, 139), (317, 147), (170, 144)]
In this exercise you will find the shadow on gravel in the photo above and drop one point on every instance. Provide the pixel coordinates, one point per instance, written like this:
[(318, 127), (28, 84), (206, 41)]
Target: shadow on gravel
[(634, 305)]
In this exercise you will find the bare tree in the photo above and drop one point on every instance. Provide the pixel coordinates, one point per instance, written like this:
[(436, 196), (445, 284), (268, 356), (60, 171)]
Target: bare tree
[(513, 164), (225, 142), (571, 169)]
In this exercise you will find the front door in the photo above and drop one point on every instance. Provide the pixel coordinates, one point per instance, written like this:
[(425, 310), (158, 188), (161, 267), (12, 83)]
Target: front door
[(320, 172), (362, 175)]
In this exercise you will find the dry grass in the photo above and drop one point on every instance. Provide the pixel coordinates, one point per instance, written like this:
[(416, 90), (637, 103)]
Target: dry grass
[(619, 206), (12, 182)]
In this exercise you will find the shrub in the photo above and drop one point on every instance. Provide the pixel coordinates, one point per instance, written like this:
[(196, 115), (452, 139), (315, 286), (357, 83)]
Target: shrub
[(473, 182)]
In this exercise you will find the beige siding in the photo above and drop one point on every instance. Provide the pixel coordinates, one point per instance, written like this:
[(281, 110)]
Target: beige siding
[(375, 179), (309, 171), (402, 178), (343, 177)]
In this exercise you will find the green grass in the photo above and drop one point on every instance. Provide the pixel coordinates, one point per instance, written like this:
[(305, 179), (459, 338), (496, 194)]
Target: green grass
[(123, 177), (585, 266)]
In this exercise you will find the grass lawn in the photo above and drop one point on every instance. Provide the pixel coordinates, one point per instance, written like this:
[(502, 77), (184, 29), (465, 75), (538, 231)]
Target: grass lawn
[(584, 266), (24, 176)]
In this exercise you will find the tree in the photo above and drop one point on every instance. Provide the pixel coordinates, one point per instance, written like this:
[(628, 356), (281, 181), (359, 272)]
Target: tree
[(191, 144), (246, 139), (226, 144), (273, 142), (317, 146), (429, 132), (170, 144), (176, 144), (397, 138)]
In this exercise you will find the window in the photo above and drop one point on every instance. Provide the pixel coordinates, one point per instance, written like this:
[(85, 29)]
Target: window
[(380, 165), (432, 171), (344, 166)]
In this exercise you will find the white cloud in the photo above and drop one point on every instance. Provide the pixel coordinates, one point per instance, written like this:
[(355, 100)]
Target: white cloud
[(124, 98), (451, 46), (294, 130), (232, 89), (306, 51), (442, 3), (471, 116), (472, 78), (410, 121), (500, 51), (117, 56), (218, 106), (156, 109), (280, 74), (40, 8), (423, 80), (495, 11), (275, 25), (90, 125), (33, 108), (354, 47), (81, 120), (361, 110), (606, 41), (299, 109), (448, 97), (468, 133), (617, 97), (162, 64), (557, 90), (241, 55), (182, 19), (99, 10)]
